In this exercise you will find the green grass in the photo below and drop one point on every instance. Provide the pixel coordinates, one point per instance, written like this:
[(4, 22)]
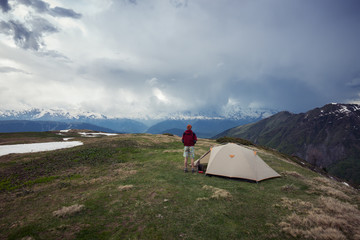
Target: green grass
[(6, 185), (40, 180), (163, 202)]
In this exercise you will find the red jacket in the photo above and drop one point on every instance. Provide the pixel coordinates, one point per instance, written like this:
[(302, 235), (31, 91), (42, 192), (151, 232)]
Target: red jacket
[(189, 138)]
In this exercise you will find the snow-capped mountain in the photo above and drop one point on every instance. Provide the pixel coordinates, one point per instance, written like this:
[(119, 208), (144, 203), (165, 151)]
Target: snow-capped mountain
[(336, 110), (233, 113), (247, 113), (48, 114), (209, 123)]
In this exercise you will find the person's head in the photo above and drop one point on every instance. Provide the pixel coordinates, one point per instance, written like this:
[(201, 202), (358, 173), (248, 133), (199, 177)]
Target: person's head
[(188, 127)]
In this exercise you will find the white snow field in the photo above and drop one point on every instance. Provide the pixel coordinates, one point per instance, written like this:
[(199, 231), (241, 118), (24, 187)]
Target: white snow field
[(91, 134), (36, 147), (88, 134)]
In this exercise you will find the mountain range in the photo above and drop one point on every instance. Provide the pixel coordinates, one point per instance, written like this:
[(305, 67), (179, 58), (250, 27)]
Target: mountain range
[(206, 124), (327, 137), (61, 115)]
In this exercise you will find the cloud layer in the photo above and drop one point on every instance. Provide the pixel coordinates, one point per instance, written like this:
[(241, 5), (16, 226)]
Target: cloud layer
[(147, 58)]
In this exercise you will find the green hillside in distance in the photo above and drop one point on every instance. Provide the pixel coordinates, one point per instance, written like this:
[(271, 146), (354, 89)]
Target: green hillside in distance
[(327, 137), (132, 186)]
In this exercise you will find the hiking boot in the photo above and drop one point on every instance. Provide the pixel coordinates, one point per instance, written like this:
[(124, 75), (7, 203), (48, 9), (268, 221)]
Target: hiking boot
[(185, 170), (193, 170)]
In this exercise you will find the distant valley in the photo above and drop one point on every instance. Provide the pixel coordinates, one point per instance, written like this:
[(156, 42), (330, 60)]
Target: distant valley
[(205, 128)]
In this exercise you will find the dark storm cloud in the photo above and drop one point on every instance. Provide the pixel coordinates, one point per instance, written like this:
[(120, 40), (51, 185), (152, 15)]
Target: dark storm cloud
[(63, 12), (21, 35), (179, 3), (38, 5), (293, 55), (43, 7), (133, 2), (29, 34), (4, 5), (354, 83), (24, 37)]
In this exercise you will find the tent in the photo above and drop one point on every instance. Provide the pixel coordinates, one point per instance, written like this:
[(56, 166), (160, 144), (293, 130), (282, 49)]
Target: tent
[(234, 161)]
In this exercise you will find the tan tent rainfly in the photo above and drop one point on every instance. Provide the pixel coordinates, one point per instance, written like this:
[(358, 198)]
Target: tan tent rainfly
[(232, 160)]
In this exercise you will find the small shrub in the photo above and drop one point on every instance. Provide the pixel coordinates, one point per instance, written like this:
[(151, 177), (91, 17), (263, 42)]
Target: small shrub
[(293, 174), (217, 193), (67, 211), (28, 238), (168, 134), (296, 205), (333, 192), (333, 205), (289, 188), (125, 187), (329, 188)]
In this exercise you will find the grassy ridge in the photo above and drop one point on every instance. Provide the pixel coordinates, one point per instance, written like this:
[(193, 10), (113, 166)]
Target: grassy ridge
[(133, 187), (28, 137)]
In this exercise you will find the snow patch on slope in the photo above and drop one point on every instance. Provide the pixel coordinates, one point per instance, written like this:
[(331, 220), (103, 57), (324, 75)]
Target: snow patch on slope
[(36, 147)]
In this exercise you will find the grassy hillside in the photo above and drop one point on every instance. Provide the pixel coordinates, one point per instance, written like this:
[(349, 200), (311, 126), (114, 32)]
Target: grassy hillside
[(326, 137), (133, 187)]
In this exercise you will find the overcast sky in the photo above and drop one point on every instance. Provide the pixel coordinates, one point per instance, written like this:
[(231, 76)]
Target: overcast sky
[(148, 57)]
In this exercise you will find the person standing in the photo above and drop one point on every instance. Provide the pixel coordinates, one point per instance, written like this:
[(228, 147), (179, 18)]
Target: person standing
[(189, 139)]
